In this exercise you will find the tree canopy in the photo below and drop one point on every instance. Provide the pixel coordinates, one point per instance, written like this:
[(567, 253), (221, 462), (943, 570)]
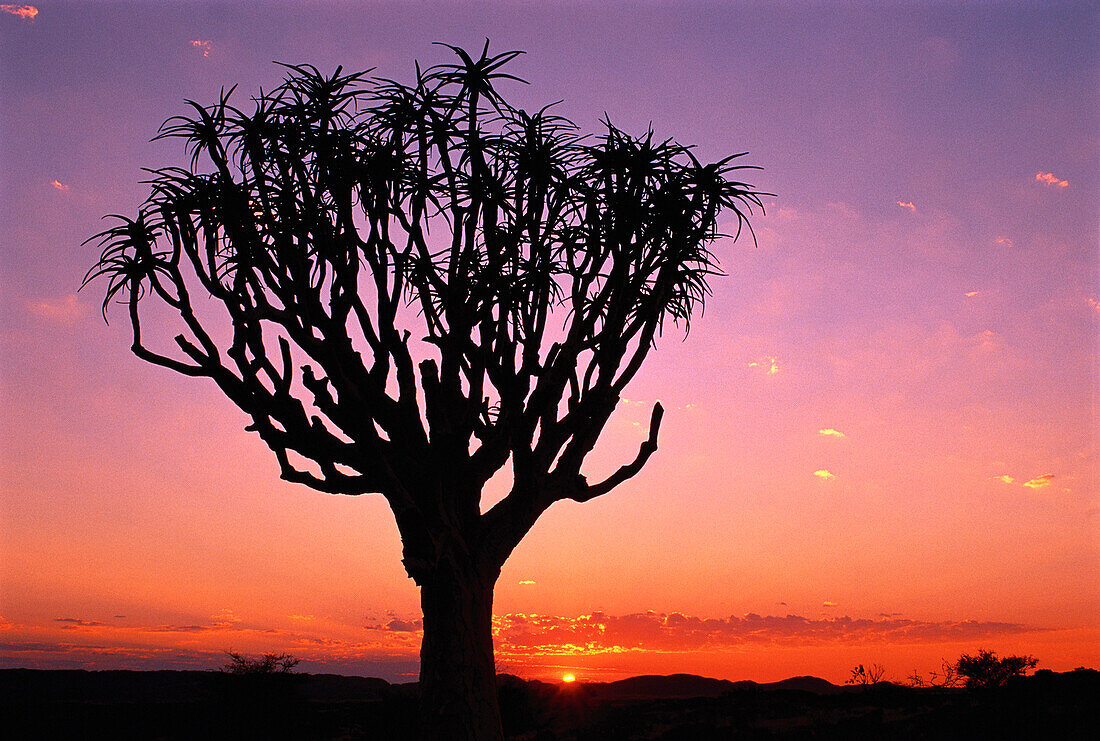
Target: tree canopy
[(341, 214)]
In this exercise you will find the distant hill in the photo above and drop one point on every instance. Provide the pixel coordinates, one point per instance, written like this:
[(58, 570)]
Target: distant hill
[(654, 686), (817, 685), (79, 685), (121, 686)]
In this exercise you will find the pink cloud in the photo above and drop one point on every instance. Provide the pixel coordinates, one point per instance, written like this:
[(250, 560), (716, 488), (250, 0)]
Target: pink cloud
[(58, 185), (203, 46), (1039, 481), (26, 12), (1004, 242), (1051, 180), (63, 311), (907, 204)]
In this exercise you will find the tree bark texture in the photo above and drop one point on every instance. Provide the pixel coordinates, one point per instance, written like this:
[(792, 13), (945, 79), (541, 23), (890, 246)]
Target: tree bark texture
[(458, 695)]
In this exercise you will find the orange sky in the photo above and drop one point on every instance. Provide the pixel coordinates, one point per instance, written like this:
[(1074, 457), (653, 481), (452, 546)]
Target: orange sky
[(880, 440)]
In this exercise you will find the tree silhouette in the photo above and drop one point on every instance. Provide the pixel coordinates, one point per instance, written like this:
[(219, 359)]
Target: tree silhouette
[(987, 670), (870, 675), (267, 664), (345, 216)]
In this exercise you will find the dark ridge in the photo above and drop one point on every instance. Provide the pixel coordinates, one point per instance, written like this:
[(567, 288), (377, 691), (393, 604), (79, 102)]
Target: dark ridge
[(817, 685), (654, 686), (177, 705)]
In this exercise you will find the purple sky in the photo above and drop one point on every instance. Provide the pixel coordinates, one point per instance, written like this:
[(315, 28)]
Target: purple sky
[(925, 282)]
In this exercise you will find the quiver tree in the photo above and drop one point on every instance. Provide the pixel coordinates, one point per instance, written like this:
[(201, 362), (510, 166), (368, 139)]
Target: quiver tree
[(416, 284)]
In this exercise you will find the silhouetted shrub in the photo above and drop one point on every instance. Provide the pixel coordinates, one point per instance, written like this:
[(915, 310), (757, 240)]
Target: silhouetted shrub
[(872, 674), (987, 670), (266, 664), (947, 676)]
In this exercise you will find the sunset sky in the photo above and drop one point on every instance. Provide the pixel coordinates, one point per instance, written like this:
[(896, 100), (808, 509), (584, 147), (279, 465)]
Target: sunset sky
[(881, 437)]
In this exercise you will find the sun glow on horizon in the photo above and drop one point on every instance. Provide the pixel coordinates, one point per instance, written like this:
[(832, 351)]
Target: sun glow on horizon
[(568, 678)]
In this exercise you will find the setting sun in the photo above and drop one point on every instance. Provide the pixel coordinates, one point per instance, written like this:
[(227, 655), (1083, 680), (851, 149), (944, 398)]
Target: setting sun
[(568, 678)]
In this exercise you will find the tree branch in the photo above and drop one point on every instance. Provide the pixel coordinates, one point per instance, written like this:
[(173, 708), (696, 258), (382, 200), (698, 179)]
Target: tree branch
[(629, 470)]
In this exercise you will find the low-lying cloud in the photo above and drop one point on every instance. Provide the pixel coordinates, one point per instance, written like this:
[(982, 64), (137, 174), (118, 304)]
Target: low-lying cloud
[(391, 648), (652, 631)]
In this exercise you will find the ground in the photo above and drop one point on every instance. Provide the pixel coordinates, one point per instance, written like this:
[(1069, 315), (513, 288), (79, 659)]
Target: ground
[(185, 705)]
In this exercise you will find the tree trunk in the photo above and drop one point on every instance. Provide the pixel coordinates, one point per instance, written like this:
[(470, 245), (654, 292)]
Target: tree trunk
[(458, 696)]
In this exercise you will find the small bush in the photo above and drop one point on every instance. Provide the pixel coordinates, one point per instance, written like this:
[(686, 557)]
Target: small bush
[(986, 670), (872, 674), (947, 676), (266, 664)]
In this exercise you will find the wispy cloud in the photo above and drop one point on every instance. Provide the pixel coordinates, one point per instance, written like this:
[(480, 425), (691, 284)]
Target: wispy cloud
[(1039, 482), (59, 311), (225, 618), (1051, 180), (907, 204), (26, 12), (302, 618), (75, 623), (58, 185), (971, 294), (203, 46), (192, 628), (824, 475), (828, 603), (830, 432), (526, 581), (1004, 242), (768, 363), (403, 626)]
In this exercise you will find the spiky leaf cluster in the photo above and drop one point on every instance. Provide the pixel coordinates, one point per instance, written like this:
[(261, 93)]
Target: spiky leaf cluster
[(339, 218)]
